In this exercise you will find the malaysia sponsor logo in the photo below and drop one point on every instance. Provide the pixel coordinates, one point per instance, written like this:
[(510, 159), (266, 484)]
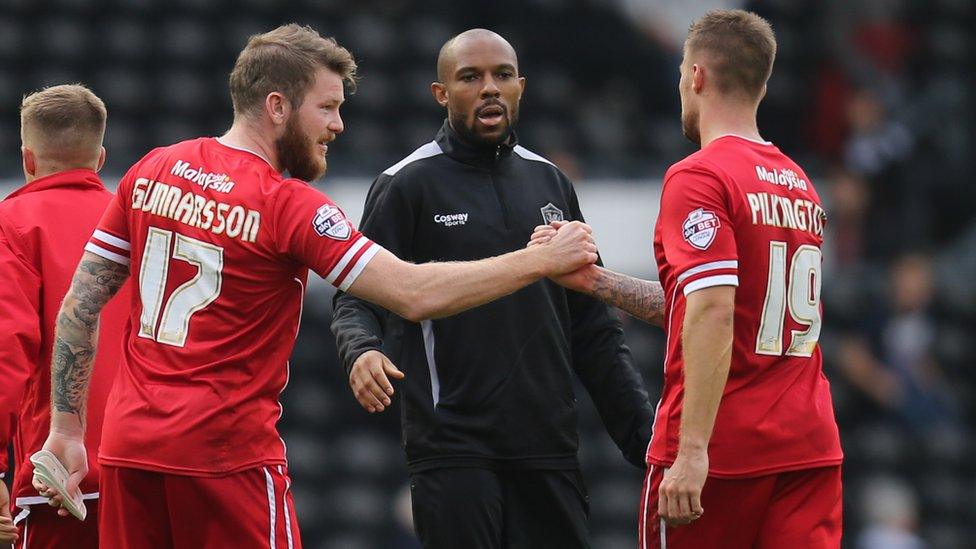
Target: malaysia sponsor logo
[(451, 220), (700, 228), (329, 221), (551, 213), (784, 177), (218, 182)]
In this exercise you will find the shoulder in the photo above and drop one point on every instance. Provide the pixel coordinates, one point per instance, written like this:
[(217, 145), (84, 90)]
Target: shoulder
[(414, 160)]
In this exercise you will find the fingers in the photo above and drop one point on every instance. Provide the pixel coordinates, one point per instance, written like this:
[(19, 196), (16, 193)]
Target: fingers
[(679, 505), (556, 224), (393, 372), (369, 394), (370, 382), (74, 481), (8, 532)]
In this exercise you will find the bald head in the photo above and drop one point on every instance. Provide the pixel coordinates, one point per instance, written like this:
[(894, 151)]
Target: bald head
[(470, 40)]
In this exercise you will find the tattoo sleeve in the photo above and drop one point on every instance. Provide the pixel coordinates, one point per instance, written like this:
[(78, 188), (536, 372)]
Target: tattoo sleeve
[(644, 299), (76, 331)]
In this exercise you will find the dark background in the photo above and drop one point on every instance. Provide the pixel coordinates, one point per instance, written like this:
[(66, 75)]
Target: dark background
[(873, 98)]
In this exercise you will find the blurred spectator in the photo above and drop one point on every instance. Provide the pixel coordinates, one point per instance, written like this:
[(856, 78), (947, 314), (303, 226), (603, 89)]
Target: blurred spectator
[(876, 143), (891, 514), (896, 365)]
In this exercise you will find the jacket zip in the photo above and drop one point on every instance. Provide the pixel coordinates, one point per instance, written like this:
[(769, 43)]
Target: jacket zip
[(499, 194)]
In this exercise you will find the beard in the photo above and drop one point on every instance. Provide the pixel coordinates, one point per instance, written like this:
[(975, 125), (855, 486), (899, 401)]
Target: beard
[(689, 126), (469, 132), (297, 153)]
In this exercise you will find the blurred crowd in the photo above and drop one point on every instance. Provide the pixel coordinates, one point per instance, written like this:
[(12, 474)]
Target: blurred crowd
[(872, 97)]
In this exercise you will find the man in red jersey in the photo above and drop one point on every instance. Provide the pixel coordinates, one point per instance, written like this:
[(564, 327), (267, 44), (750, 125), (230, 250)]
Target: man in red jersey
[(745, 451), (43, 227), (222, 242)]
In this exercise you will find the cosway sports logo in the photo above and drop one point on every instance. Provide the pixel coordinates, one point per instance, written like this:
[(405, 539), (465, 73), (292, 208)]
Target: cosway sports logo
[(700, 227), (330, 222), (451, 220)]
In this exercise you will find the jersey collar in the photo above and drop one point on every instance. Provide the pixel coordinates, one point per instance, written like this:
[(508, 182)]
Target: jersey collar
[(81, 177)]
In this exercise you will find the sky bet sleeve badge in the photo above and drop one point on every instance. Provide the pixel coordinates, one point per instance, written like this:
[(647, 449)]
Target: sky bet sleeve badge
[(700, 227), (551, 213), (330, 222)]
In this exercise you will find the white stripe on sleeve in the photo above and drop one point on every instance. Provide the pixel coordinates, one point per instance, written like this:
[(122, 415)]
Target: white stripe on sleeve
[(708, 282), (112, 256), (109, 239), (360, 265), (729, 264), (346, 258)]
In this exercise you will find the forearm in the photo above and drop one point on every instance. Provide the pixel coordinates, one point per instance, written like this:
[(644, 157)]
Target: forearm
[(76, 335), (643, 299), (707, 350), (444, 289), (357, 326), (74, 352)]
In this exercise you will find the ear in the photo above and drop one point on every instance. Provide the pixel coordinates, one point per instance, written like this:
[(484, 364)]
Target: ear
[(101, 159), (30, 161), (697, 77), (521, 82), (763, 94), (439, 91), (277, 108)]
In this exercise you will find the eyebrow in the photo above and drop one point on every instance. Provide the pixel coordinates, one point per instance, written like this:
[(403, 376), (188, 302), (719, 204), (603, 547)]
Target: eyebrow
[(470, 68)]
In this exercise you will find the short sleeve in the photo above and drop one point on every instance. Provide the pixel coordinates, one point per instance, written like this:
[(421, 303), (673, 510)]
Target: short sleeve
[(697, 232), (311, 228), (111, 237)]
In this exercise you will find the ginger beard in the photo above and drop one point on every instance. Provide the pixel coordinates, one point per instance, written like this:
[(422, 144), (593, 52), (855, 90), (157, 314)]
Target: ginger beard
[(298, 153)]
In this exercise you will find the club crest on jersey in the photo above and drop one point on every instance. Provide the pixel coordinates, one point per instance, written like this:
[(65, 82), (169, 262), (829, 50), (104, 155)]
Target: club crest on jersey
[(700, 228), (551, 213), (330, 222)]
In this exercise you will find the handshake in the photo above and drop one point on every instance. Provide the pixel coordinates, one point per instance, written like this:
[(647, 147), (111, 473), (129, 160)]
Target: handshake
[(573, 252)]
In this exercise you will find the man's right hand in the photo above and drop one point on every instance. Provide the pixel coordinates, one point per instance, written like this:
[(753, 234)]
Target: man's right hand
[(369, 380), (8, 532), (70, 451), (569, 249)]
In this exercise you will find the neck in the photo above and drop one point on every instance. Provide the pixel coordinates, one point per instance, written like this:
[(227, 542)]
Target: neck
[(46, 170), (245, 134), (724, 118)]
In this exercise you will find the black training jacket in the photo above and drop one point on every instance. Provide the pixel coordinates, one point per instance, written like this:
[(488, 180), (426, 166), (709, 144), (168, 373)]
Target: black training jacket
[(492, 386)]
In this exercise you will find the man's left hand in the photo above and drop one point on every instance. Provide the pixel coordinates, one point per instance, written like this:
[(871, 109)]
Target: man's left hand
[(679, 496)]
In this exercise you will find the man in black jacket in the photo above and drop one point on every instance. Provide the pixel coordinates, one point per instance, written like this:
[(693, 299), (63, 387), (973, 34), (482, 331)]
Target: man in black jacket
[(489, 415)]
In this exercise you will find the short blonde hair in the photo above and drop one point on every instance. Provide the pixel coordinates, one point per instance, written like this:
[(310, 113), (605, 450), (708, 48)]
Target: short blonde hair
[(741, 47), (66, 122), (285, 60)]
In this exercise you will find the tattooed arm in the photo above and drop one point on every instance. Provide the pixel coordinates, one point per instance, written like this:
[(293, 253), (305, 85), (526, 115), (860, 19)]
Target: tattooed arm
[(76, 334), (95, 281), (643, 299)]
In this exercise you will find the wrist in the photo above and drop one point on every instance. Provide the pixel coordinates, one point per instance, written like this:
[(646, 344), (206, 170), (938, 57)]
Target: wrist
[(67, 425), (538, 261)]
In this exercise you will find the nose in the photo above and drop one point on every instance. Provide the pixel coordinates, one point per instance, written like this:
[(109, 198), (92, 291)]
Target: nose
[(489, 89), (335, 125)]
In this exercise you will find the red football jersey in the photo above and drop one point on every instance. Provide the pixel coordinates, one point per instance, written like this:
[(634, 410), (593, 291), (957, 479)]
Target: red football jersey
[(43, 229), (741, 213), (220, 245)]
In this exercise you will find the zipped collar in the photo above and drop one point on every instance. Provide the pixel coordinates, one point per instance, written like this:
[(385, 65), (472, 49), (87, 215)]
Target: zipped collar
[(484, 157), (81, 177)]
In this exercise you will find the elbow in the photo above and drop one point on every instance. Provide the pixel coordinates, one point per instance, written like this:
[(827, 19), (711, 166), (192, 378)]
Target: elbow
[(419, 307)]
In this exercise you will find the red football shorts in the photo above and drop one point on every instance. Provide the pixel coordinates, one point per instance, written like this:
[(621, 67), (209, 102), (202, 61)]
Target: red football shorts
[(148, 510), (42, 528), (792, 509)]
